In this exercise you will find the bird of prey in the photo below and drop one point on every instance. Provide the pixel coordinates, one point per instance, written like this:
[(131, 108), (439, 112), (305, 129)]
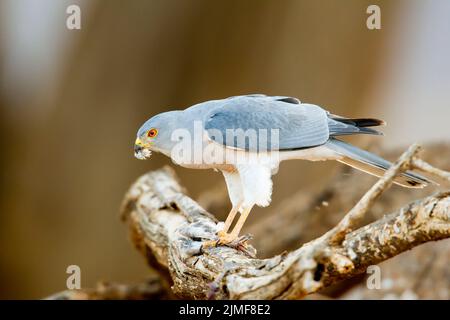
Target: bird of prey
[(221, 135)]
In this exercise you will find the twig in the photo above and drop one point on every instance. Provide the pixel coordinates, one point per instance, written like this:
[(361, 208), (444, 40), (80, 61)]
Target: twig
[(426, 167), (355, 215)]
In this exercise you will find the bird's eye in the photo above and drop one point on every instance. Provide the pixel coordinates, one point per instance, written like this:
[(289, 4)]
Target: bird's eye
[(152, 133)]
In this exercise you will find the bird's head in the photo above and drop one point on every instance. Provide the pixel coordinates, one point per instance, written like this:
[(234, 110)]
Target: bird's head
[(155, 135)]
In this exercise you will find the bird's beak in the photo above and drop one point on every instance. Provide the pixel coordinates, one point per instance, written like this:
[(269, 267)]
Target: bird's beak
[(141, 150)]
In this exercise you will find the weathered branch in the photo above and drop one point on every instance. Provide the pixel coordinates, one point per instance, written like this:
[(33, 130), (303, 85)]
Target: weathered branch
[(152, 288), (307, 214), (169, 228), (356, 214), (426, 167)]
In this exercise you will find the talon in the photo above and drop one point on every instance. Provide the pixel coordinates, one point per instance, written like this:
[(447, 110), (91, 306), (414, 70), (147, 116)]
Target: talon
[(232, 241), (225, 238)]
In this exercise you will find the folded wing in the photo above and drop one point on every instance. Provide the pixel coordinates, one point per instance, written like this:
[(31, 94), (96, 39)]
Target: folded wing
[(267, 123)]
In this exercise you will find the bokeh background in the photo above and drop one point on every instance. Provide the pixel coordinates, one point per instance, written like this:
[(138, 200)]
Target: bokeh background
[(72, 100)]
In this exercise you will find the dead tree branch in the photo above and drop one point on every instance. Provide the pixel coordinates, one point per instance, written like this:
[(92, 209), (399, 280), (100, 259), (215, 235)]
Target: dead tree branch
[(169, 228), (426, 167), (356, 214), (152, 288), (307, 214)]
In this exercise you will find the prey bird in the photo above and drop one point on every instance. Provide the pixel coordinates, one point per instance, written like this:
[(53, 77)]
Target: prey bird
[(221, 135)]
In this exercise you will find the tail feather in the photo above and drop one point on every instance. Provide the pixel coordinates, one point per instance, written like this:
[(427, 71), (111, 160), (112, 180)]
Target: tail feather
[(373, 164)]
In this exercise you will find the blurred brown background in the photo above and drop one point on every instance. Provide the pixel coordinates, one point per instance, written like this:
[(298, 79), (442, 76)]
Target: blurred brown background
[(72, 100)]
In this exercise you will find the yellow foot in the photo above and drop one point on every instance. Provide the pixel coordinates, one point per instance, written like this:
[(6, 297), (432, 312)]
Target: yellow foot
[(209, 244), (226, 239), (223, 240), (221, 233)]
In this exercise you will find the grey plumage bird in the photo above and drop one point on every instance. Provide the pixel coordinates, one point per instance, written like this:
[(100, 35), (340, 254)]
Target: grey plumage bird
[(246, 137)]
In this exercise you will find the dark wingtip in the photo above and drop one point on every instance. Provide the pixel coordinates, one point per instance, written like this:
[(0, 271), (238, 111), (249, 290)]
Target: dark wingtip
[(289, 100), (369, 122), (360, 122)]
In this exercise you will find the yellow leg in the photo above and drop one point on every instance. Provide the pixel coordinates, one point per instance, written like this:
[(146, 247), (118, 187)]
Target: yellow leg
[(229, 220), (225, 238), (240, 223)]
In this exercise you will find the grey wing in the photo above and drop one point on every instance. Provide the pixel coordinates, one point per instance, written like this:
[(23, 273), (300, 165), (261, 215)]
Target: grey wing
[(266, 123), (261, 97)]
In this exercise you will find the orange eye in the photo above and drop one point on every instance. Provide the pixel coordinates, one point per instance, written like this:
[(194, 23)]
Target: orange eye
[(152, 133)]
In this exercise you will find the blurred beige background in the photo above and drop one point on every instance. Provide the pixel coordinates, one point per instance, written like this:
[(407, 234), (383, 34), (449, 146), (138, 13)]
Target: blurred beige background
[(71, 102)]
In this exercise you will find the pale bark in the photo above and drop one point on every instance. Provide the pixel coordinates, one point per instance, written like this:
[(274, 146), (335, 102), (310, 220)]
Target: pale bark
[(152, 288)]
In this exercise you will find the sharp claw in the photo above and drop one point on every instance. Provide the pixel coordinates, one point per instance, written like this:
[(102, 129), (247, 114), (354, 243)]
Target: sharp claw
[(238, 243)]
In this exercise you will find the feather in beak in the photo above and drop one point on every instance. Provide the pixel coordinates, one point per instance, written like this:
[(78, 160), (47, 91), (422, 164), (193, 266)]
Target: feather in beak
[(141, 151)]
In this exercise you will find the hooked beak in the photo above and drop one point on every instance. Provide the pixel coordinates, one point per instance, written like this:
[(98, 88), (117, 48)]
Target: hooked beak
[(141, 150)]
